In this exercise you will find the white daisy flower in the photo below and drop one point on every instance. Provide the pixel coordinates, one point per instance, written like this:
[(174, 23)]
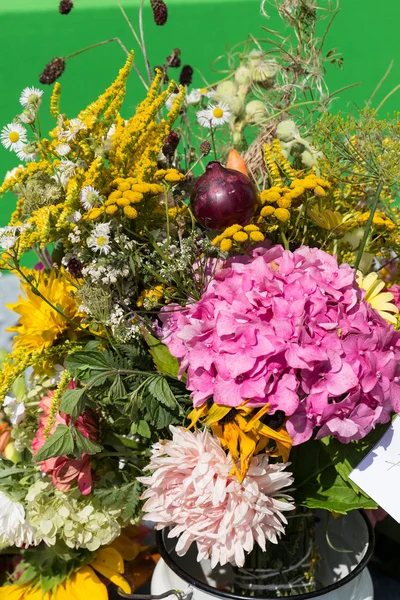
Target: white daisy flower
[(15, 529), (65, 170), (28, 116), (12, 172), (27, 152), (13, 136), (89, 197), (31, 96), (99, 241), (63, 149), (170, 100), (76, 216), (14, 410), (214, 115), (75, 126)]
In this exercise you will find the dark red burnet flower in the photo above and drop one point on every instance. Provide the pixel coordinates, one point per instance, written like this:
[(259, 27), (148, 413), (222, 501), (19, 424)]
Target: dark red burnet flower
[(65, 7), (223, 197), (186, 75), (171, 143), (160, 11), (52, 71), (173, 60)]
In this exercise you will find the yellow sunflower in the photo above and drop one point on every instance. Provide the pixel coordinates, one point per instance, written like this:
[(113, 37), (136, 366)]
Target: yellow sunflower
[(39, 324), (84, 584), (243, 433), (380, 301)]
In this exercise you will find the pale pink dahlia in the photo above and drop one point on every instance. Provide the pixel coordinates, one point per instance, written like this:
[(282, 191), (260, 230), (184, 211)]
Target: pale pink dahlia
[(292, 330), (192, 491)]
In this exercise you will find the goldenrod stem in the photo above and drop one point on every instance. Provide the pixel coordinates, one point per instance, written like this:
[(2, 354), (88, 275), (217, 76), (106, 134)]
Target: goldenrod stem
[(369, 225)]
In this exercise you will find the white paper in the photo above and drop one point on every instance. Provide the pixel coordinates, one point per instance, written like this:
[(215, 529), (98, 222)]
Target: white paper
[(378, 474)]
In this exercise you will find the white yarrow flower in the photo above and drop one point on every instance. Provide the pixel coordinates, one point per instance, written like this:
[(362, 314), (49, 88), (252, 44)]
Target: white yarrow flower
[(214, 115), (15, 529), (89, 197), (31, 97), (14, 410), (13, 136), (99, 240)]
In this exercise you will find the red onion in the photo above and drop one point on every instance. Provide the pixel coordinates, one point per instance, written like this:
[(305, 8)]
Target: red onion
[(222, 197)]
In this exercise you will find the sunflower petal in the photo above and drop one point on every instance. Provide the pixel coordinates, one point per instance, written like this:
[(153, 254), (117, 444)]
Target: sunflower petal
[(216, 413), (128, 549), (111, 558), (112, 575), (85, 584), (14, 592), (195, 415)]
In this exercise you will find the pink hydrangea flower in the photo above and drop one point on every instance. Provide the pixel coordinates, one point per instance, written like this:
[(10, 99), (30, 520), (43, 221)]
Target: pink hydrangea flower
[(65, 471), (291, 329), (192, 491)]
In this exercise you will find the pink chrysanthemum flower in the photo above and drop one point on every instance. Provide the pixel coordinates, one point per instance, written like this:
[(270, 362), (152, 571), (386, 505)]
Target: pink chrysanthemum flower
[(192, 491), (295, 331)]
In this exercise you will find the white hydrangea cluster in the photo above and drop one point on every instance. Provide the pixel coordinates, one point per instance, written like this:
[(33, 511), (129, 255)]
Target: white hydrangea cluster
[(80, 522)]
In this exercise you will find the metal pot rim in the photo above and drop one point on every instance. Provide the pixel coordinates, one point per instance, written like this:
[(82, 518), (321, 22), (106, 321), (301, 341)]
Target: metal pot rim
[(222, 594)]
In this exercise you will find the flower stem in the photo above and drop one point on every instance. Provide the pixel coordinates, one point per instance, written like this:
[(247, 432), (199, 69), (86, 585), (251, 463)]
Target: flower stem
[(143, 45), (213, 142), (369, 225)]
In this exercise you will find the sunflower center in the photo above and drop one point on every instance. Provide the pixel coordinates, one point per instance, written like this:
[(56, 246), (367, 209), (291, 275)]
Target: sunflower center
[(102, 241), (14, 137), (218, 112)]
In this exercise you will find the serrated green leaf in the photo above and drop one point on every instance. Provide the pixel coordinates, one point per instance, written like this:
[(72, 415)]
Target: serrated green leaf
[(163, 359), (84, 444), (143, 429), (60, 443), (159, 388), (72, 402), (92, 360), (117, 389), (160, 417)]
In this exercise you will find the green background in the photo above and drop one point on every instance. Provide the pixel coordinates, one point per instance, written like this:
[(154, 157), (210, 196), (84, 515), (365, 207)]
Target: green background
[(33, 31)]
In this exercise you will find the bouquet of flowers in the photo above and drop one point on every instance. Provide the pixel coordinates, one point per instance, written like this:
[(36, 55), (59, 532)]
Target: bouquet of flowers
[(210, 354)]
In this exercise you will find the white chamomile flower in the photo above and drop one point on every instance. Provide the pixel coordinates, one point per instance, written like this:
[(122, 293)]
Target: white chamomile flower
[(170, 100), (28, 116), (214, 115), (99, 240), (66, 170), (75, 126), (63, 149), (76, 216), (31, 97), (15, 529), (196, 95), (13, 172), (27, 152), (14, 410), (13, 136), (89, 197)]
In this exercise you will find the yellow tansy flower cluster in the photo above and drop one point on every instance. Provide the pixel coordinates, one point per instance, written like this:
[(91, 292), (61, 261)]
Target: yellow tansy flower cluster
[(379, 219), (169, 175), (284, 195), (238, 234)]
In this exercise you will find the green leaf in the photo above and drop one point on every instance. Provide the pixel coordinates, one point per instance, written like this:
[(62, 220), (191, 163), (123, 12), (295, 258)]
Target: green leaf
[(159, 416), (319, 485), (85, 444), (159, 388), (132, 501), (163, 359), (346, 457), (116, 441), (117, 389), (72, 402), (92, 360), (61, 443), (142, 428)]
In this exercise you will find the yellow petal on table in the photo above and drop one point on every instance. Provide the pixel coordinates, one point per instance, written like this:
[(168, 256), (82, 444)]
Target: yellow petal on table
[(112, 575), (110, 557), (128, 549), (84, 584)]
